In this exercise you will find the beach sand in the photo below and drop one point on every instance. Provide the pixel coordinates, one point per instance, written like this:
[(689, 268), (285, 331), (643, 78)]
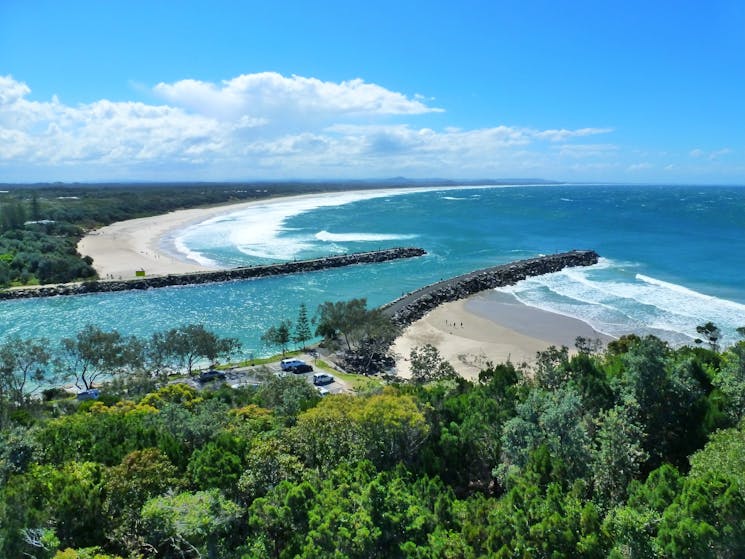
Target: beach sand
[(488, 327), (120, 249)]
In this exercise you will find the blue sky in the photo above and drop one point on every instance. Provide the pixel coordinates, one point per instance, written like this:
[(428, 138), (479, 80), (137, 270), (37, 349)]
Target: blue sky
[(225, 90)]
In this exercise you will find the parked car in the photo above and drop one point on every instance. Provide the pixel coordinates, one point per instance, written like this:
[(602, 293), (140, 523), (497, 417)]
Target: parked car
[(322, 391), (287, 364), (91, 394), (302, 368), (322, 378), (207, 376)]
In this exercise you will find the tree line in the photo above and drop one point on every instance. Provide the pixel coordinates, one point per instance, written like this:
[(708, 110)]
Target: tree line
[(632, 450), (93, 355)]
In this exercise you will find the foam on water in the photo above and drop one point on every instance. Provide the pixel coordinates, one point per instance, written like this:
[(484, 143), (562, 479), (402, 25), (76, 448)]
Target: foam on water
[(360, 237), (611, 300), (259, 230), (255, 231), (188, 254)]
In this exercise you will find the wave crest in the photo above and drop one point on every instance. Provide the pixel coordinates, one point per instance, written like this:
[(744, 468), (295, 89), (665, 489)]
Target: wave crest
[(614, 302), (359, 237)]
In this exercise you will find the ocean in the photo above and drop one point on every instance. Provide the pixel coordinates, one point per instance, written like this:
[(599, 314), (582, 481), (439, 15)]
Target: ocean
[(672, 257)]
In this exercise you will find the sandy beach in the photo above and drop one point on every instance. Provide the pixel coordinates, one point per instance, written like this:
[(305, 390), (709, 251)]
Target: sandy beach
[(488, 327), (120, 249)]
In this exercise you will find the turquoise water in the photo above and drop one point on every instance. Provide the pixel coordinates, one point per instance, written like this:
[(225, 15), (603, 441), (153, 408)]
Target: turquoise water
[(673, 258)]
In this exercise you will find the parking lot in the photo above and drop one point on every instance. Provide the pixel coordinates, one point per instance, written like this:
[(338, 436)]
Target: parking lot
[(252, 376)]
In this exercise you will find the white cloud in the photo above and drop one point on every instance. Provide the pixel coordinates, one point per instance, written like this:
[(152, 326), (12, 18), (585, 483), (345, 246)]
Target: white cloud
[(270, 93), (696, 153), (11, 90), (563, 134), (267, 126), (639, 167), (713, 155), (583, 151)]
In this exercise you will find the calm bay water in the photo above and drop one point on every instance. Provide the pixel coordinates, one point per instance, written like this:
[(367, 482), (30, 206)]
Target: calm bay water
[(672, 257)]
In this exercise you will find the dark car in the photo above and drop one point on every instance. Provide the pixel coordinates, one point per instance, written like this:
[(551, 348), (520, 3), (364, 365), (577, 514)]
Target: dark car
[(302, 368), (206, 376), (91, 394)]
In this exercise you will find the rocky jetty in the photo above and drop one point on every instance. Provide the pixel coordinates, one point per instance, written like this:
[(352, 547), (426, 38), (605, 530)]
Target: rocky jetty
[(415, 305), (243, 273)]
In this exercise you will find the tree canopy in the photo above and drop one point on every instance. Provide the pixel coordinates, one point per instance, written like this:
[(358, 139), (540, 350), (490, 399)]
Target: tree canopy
[(631, 451)]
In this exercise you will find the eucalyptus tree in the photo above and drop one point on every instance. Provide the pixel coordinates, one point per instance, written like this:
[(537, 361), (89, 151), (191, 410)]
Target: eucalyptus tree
[(23, 366), (342, 319), (183, 347), (94, 353), (368, 333), (428, 365), (278, 336)]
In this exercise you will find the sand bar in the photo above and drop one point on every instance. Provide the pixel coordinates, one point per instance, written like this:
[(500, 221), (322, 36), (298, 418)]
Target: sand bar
[(489, 326)]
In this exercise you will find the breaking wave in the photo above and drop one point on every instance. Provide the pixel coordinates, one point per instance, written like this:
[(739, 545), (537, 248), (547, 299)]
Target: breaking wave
[(359, 237), (608, 298)]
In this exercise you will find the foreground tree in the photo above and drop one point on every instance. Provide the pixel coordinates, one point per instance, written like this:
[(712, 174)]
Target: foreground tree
[(93, 354), (730, 380), (385, 429), (278, 336), (183, 347), (707, 517), (427, 365), (189, 524), (142, 475), (617, 456), (22, 363), (302, 331)]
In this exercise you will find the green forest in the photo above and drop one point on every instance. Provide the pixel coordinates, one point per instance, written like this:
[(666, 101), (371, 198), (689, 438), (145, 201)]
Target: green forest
[(633, 450)]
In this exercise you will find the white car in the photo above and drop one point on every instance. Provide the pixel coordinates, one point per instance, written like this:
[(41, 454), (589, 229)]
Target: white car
[(322, 378), (287, 364), (323, 391)]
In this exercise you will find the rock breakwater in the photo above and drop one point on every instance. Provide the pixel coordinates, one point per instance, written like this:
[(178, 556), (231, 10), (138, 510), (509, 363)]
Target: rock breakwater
[(249, 272), (415, 305)]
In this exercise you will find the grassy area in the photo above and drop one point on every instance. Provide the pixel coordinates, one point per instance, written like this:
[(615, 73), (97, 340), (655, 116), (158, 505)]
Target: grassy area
[(359, 383)]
